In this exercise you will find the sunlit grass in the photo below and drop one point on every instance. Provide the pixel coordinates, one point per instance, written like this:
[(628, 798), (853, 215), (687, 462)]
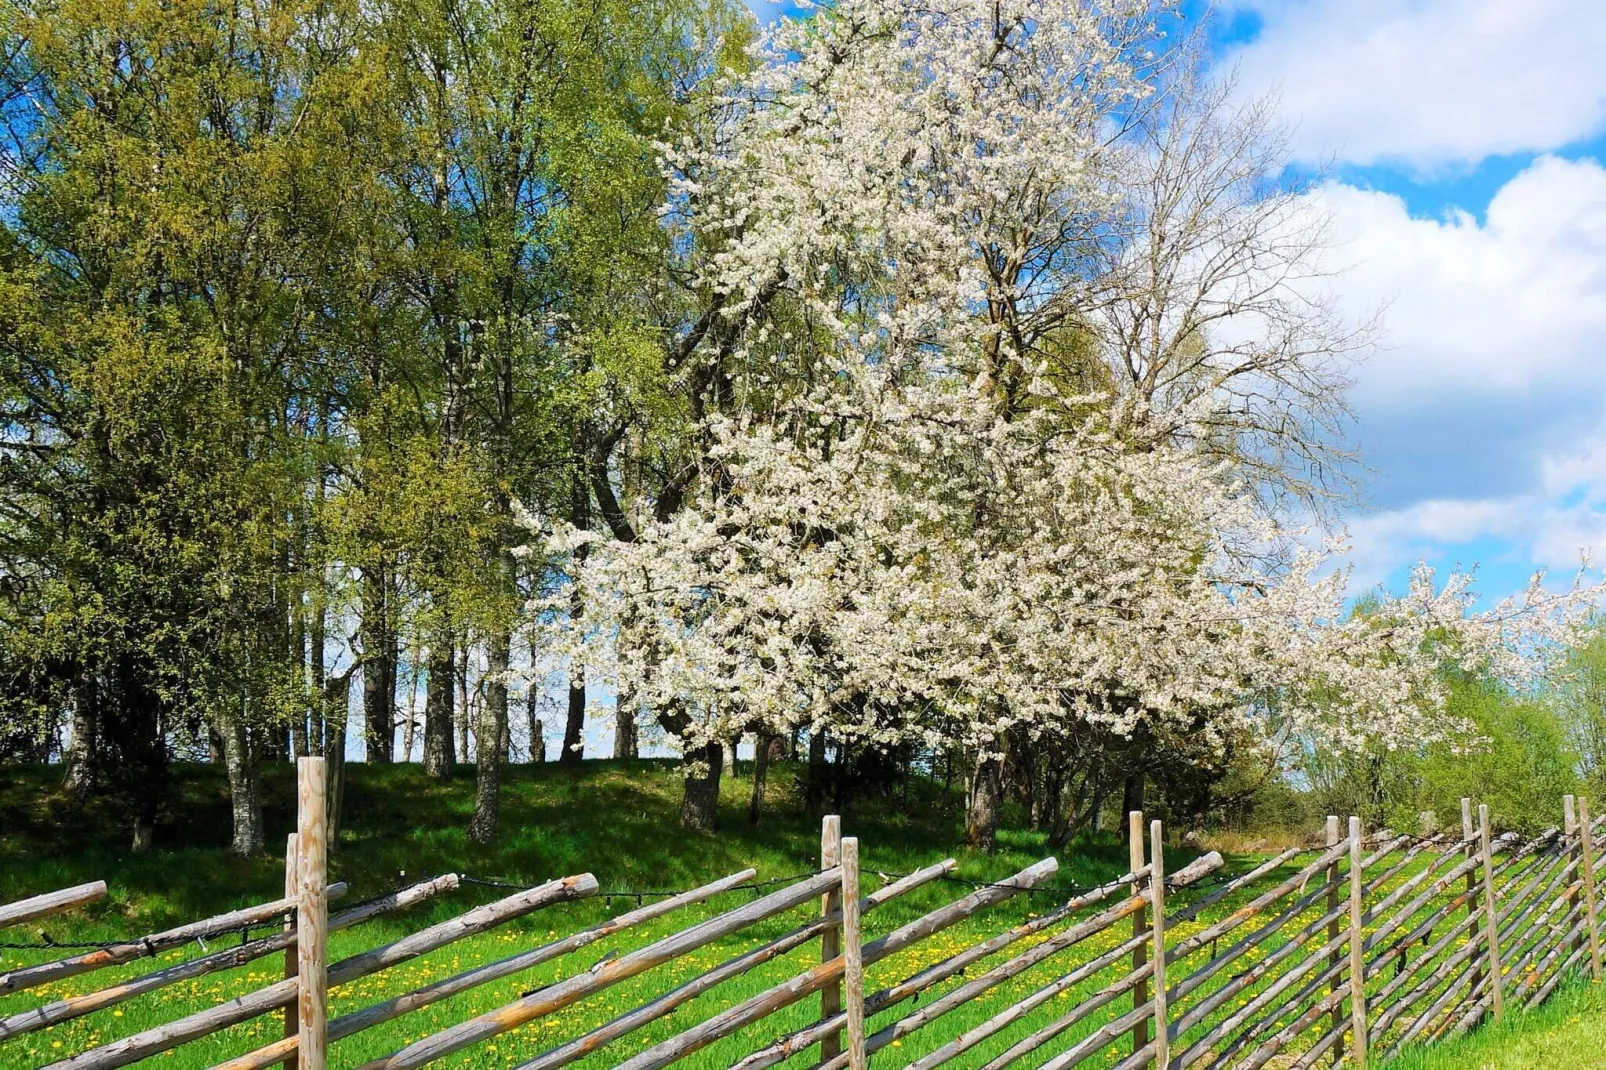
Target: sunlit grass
[(617, 821)]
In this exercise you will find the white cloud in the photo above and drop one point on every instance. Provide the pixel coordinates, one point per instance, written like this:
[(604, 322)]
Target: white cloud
[(1489, 398), (1430, 82), (1512, 307)]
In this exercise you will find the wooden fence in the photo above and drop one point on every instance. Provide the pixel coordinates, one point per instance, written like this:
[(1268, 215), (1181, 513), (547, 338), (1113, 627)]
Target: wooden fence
[(1342, 953)]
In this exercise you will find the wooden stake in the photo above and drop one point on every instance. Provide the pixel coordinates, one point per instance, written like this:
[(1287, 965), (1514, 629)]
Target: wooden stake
[(1569, 817), (1332, 934), (292, 888), (1357, 963), (1491, 921), (1591, 909), (1162, 1038), (831, 938), (1468, 833), (312, 914), (853, 953), (1140, 926)]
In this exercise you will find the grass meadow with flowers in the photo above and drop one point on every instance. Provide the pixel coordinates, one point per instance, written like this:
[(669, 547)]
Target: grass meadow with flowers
[(614, 820)]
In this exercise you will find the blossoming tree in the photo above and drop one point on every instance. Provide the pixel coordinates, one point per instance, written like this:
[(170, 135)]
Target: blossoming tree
[(995, 370)]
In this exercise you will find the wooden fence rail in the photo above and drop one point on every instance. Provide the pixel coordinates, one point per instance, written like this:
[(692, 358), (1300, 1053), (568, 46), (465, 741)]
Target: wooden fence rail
[(1342, 954)]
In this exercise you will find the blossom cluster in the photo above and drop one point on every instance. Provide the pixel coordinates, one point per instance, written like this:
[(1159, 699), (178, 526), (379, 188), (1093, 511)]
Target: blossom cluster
[(912, 524)]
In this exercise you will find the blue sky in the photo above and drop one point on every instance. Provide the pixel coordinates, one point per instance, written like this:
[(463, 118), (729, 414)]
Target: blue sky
[(1465, 147), (1465, 142)]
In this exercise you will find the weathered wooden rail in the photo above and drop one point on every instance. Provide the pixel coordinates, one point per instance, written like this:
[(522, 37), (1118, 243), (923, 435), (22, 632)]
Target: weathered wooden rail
[(1342, 954)]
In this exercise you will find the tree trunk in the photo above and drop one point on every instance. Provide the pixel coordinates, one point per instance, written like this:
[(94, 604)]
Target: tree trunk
[(135, 749), (82, 758), (439, 700), (379, 657), (245, 797), (336, 716), (762, 743), (986, 797), (410, 724), (814, 794), (492, 732), (464, 711), (1100, 788), (1132, 792), (699, 807), (574, 728), (624, 725), (532, 699)]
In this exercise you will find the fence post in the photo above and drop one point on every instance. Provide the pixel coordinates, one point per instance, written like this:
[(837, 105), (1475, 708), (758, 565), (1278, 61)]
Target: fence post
[(1470, 849), (1569, 817), (1332, 934), (830, 939), (292, 890), (1491, 919), (1162, 1034), (1140, 925), (1357, 961), (853, 957), (1586, 844), (312, 912)]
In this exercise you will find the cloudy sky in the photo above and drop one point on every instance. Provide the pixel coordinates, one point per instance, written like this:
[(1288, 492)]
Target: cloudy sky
[(1465, 142)]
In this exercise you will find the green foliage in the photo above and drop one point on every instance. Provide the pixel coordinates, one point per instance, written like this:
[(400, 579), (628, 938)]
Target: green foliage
[(1515, 756)]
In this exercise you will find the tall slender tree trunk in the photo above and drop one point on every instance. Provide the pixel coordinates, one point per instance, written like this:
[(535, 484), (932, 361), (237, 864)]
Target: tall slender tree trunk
[(986, 799), (699, 807), (575, 727), (532, 704), (492, 733), (410, 725), (245, 798), (464, 707), (83, 749), (439, 700), (763, 743), (318, 675), (379, 657), (336, 715)]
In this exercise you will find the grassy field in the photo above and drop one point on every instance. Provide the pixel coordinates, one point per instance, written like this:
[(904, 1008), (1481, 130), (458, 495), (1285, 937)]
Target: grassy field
[(615, 820), (1567, 1033), (612, 819)]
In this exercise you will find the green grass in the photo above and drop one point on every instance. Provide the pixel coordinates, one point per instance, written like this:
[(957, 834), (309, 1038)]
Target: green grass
[(614, 819), (1568, 1032)]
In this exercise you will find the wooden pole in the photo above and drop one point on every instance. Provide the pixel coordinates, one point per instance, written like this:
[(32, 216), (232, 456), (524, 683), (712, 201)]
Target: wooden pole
[(312, 914), (1491, 920), (831, 938), (292, 888), (1591, 909), (1468, 838), (1569, 818), (1140, 927), (1332, 934), (42, 906), (1357, 962), (853, 953), (1162, 1037)]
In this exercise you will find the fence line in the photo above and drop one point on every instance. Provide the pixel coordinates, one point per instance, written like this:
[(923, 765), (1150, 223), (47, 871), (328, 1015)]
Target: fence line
[(1338, 955)]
